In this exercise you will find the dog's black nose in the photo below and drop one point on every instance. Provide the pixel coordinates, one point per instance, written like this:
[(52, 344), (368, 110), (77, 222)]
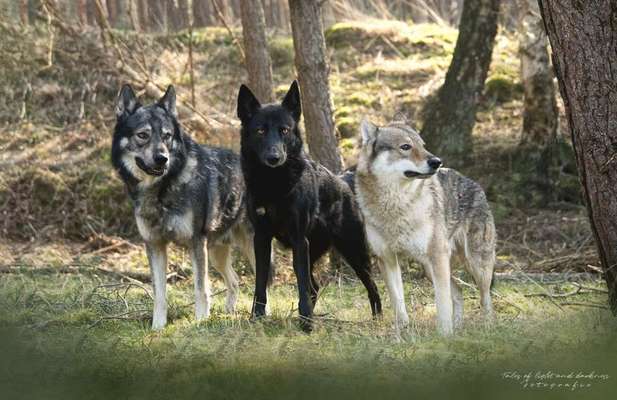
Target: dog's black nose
[(160, 159), (273, 159), (434, 162)]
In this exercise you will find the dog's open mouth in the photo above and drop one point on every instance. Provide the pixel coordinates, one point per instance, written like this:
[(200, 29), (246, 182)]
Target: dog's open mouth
[(155, 171), (415, 174)]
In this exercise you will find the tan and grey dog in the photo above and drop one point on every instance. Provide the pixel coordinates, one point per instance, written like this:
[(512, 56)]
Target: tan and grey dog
[(415, 209)]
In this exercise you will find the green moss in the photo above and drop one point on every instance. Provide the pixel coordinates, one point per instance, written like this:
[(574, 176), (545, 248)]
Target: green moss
[(392, 38), (362, 99), (347, 126), (281, 51), (501, 89)]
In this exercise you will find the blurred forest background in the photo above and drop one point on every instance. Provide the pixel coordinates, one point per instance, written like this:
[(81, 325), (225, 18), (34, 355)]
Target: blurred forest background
[(500, 122)]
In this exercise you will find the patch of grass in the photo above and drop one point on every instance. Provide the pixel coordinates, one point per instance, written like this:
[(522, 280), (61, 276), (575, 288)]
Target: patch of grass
[(281, 51), (59, 339), (501, 88), (347, 127), (392, 38)]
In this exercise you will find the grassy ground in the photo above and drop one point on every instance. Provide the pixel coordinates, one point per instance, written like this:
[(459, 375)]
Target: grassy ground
[(87, 336)]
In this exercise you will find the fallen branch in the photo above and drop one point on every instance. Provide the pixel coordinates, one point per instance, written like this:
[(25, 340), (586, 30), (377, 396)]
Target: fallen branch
[(122, 316), (594, 305), (556, 295)]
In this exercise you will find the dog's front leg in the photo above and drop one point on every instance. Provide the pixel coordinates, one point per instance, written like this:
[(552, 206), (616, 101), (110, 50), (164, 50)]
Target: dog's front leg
[(301, 265), (391, 272), (263, 249), (157, 257), (199, 259), (443, 292)]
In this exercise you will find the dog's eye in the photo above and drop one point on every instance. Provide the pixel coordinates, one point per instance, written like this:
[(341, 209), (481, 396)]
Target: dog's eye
[(167, 135), (405, 147), (284, 131), (260, 131), (143, 135)]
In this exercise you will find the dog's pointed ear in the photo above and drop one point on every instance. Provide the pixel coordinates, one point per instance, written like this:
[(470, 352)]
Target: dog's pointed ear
[(292, 101), (127, 103), (168, 101), (247, 104), (368, 131)]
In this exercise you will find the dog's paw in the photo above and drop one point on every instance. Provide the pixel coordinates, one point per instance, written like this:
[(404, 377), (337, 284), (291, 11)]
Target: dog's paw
[(401, 319), (306, 324)]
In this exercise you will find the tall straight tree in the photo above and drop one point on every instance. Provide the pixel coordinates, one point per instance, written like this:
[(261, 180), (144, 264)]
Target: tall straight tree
[(583, 36), (540, 117), (450, 118), (258, 63), (542, 154), (312, 67)]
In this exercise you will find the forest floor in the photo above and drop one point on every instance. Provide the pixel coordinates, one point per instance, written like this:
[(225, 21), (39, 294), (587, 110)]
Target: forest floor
[(68, 240)]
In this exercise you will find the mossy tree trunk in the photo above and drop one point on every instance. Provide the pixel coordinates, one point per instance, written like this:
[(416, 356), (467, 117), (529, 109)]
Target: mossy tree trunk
[(312, 67), (258, 63), (450, 118), (583, 36)]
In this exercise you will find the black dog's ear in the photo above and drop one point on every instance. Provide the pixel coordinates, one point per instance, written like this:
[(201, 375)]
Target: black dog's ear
[(292, 101), (247, 104), (127, 103), (168, 101)]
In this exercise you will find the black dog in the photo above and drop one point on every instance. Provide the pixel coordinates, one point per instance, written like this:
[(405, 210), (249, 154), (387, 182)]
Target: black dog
[(297, 201)]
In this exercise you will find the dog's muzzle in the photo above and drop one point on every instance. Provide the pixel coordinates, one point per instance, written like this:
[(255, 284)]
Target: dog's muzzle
[(274, 159), (158, 170)]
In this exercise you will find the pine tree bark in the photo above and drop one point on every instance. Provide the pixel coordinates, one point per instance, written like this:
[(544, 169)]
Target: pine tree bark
[(258, 63), (312, 67), (540, 117), (450, 118), (583, 37)]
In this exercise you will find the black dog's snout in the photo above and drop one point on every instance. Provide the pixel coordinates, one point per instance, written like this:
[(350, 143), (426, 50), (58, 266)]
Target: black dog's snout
[(160, 159), (434, 162), (273, 159)]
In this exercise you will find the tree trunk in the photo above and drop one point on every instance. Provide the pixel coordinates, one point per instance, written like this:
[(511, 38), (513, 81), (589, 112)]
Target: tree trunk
[(112, 12), (450, 118), (143, 15), (202, 13), (583, 36), (158, 12), (312, 67), (540, 117), (258, 63), (82, 12), (23, 12), (133, 10)]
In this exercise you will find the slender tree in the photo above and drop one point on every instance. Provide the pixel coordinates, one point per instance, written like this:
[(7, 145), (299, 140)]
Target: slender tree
[(450, 118), (583, 37), (258, 63), (540, 117), (312, 67), (542, 153)]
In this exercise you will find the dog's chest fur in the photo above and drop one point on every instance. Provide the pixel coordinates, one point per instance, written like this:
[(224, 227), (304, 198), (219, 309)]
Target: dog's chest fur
[(398, 217), (166, 218)]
